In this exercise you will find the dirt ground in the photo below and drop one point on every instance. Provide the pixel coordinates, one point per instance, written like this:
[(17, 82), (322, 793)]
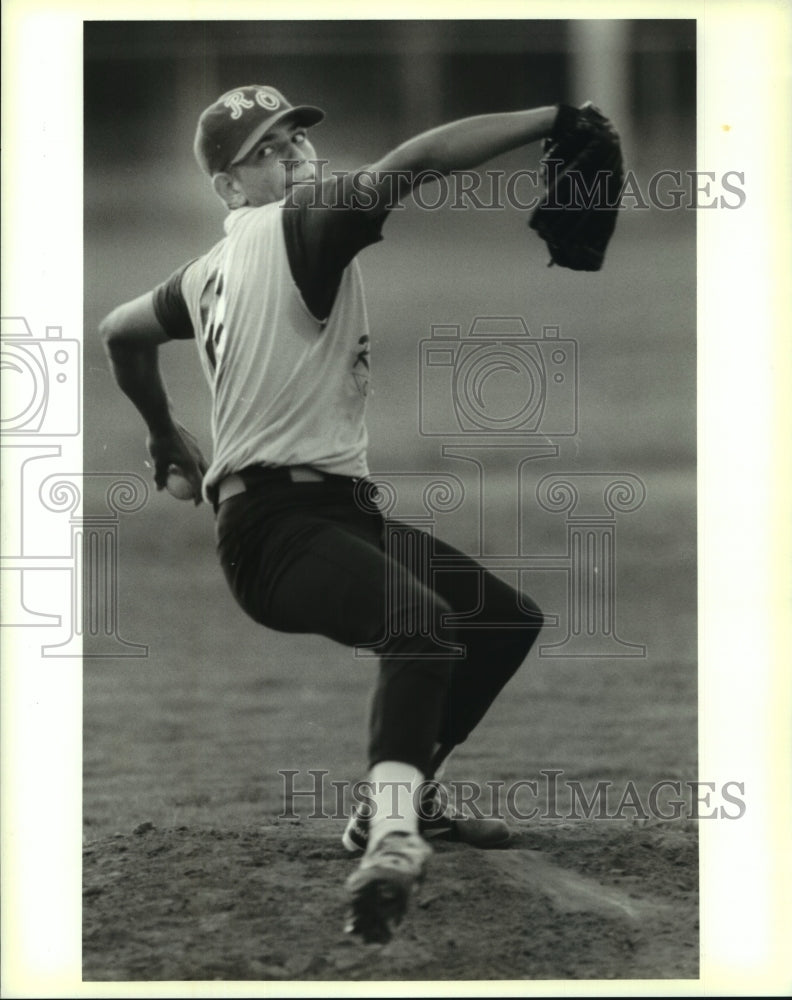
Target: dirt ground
[(563, 901)]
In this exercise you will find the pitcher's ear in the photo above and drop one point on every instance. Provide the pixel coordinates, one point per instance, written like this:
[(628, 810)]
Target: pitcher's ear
[(229, 190)]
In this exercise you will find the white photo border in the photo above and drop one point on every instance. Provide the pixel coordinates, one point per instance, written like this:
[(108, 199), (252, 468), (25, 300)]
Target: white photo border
[(745, 551)]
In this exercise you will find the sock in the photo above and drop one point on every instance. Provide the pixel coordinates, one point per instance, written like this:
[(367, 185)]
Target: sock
[(394, 808)]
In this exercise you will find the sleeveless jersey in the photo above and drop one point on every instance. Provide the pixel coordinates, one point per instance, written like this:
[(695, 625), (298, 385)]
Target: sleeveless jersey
[(287, 387)]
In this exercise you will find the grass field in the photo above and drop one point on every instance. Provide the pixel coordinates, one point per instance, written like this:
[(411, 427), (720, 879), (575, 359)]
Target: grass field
[(191, 738)]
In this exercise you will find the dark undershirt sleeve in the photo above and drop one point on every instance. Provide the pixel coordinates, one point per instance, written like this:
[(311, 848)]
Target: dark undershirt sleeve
[(171, 309), (323, 231)]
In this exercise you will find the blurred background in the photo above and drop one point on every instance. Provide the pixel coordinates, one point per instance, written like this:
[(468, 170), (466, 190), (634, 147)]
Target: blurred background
[(201, 720), (380, 81)]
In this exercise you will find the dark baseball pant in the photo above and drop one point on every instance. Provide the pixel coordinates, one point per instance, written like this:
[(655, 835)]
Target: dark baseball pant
[(306, 557)]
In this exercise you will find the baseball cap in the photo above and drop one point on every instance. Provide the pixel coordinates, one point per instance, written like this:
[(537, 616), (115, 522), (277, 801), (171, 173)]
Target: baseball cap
[(231, 127)]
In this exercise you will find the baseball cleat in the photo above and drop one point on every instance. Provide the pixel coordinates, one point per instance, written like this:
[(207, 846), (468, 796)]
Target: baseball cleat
[(438, 820), (380, 887)]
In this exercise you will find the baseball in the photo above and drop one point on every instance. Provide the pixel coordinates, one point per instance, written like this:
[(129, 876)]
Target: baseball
[(178, 485)]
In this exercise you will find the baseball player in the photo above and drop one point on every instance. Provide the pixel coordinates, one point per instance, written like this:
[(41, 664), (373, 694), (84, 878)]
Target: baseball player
[(278, 314)]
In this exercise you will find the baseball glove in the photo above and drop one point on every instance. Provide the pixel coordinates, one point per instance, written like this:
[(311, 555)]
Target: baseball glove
[(582, 173)]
